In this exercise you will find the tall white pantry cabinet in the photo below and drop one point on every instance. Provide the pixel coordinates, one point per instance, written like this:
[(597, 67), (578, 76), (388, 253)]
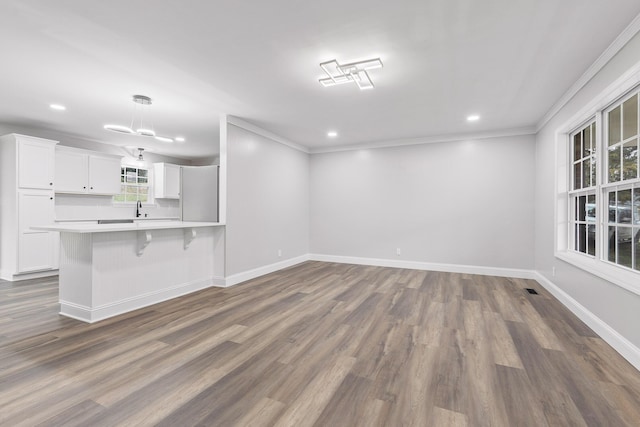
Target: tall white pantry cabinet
[(27, 171)]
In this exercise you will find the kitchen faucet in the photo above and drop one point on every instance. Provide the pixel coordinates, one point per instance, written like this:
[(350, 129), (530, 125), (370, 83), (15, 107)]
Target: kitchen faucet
[(138, 209)]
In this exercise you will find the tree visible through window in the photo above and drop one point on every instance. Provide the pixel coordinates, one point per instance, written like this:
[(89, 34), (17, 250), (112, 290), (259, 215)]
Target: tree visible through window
[(134, 185)]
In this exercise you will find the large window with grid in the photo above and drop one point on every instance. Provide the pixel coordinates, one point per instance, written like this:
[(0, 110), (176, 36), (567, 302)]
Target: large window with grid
[(134, 185), (604, 196), (621, 191), (582, 196)]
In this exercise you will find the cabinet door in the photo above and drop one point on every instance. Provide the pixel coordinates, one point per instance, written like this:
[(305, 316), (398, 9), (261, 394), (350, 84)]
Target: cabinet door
[(104, 175), (72, 171), (35, 248), (172, 181), (35, 164)]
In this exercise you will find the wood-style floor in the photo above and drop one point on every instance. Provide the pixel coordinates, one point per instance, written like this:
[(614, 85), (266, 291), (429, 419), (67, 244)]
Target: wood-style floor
[(316, 344)]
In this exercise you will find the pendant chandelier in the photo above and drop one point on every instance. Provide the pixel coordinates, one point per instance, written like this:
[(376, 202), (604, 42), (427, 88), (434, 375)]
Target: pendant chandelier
[(140, 121)]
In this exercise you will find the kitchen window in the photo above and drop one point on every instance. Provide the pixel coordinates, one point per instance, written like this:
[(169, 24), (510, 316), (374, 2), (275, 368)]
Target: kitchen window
[(134, 185)]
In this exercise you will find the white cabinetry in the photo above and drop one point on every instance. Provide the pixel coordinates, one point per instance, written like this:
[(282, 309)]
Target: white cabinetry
[(27, 170), (86, 172), (166, 180)]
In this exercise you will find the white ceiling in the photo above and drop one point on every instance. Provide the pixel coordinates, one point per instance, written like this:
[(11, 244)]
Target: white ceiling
[(506, 60)]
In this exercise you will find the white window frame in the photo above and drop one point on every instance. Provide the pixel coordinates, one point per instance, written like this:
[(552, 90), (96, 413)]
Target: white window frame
[(614, 273), (150, 199)]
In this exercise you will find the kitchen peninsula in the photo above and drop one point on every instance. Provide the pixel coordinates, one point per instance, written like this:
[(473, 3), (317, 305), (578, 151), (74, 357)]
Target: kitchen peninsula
[(110, 269)]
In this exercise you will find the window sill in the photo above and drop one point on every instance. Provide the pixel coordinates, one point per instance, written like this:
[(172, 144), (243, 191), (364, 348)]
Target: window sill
[(629, 280)]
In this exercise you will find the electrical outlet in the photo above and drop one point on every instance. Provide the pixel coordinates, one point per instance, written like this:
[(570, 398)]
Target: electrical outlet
[(279, 252), (398, 251)]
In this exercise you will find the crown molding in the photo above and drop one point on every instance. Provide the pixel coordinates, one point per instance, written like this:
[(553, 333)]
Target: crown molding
[(427, 140), (623, 38), (241, 123)]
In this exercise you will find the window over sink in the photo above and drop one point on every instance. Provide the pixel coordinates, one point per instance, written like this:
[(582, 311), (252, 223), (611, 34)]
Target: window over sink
[(134, 185)]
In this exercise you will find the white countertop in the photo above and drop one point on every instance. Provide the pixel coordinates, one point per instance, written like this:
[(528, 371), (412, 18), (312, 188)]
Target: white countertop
[(142, 218), (136, 226)]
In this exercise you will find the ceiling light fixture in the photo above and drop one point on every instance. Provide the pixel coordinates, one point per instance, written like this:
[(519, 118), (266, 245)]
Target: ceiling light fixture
[(144, 126), (57, 107), (355, 72), (473, 118), (332, 134), (140, 151)]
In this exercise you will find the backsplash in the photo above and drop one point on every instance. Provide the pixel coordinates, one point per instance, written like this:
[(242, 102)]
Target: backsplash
[(88, 207)]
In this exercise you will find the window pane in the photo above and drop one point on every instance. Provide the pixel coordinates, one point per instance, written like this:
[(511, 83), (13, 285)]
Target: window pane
[(624, 206), (591, 239), (143, 198), (143, 190), (636, 205), (582, 201), (612, 206), (614, 164), (581, 239), (131, 197), (586, 142), (624, 246), (586, 171), (131, 189), (630, 159), (636, 248), (612, 244), (142, 180), (577, 175), (577, 146), (593, 170), (614, 126), (142, 172), (630, 119)]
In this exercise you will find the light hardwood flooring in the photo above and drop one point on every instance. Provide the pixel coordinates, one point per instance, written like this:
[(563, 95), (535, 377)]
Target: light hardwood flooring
[(316, 344)]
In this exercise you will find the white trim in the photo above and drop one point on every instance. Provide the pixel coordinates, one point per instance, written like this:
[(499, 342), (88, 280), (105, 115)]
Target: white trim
[(427, 140), (15, 277), (237, 121), (625, 36), (623, 346), (86, 314), (266, 269), (416, 265)]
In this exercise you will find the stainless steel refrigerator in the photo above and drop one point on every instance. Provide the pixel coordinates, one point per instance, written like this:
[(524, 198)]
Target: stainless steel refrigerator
[(199, 193)]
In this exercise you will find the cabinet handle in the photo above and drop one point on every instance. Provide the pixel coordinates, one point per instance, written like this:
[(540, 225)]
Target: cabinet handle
[(51, 183), (50, 198), (85, 187), (91, 188)]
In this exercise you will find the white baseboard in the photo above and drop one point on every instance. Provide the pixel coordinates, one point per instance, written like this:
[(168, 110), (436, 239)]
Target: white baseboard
[(261, 271), (5, 275), (623, 346), (415, 265), (86, 314)]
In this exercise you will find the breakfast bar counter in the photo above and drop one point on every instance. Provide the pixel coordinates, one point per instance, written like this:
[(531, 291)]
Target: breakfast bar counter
[(110, 269)]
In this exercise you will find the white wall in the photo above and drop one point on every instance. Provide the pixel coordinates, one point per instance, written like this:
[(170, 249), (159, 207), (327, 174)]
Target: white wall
[(465, 203), (618, 308), (267, 202)]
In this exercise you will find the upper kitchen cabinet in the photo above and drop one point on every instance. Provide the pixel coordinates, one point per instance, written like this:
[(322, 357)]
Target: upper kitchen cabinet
[(166, 179), (35, 162), (86, 172)]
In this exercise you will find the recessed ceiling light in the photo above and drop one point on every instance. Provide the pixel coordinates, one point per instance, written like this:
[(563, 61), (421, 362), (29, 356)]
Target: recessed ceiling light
[(180, 138), (473, 118), (57, 107), (332, 134)]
